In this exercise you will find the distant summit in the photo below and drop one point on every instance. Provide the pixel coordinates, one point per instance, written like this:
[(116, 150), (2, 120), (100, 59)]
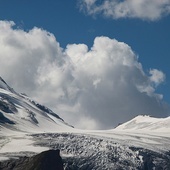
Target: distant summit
[(146, 123)]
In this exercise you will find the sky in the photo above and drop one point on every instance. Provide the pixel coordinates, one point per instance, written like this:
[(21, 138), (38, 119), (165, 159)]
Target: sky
[(95, 63)]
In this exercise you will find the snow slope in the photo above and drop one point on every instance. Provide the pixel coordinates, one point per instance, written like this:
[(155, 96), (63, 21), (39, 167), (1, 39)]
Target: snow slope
[(20, 113), (146, 123)]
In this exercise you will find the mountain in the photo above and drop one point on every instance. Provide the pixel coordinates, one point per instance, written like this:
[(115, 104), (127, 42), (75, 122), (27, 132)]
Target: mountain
[(18, 112), (146, 123), (28, 128)]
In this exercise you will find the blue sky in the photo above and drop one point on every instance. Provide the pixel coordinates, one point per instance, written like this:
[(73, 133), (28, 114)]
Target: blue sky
[(148, 38)]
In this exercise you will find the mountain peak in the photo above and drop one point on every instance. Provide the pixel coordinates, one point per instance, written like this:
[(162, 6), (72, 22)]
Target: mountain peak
[(4, 85), (146, 123)]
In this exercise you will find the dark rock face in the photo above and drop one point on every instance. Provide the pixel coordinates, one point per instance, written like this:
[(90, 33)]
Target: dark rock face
[(45, 109), (47, 160), (3, 119)]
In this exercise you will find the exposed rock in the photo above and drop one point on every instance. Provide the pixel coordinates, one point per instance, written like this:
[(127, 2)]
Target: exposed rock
[(47, 160)]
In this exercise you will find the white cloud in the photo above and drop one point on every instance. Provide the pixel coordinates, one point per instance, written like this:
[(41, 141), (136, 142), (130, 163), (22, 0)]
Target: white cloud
[(142, 9), (157, 76), (93, 88)]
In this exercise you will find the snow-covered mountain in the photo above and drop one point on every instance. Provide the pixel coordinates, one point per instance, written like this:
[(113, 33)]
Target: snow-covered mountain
[(146, 123), (27, 128), (19, 113)]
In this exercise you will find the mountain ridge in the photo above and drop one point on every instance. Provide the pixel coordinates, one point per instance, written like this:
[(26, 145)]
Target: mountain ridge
[(146, 123), (19, 112)]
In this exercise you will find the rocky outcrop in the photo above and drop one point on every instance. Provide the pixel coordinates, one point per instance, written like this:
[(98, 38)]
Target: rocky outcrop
[(47, 160)]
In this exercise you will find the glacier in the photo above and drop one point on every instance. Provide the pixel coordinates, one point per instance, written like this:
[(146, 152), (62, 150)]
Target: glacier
[(28, 128)]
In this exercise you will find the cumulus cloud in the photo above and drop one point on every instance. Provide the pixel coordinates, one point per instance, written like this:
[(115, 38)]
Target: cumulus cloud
[(142, 9), (90, 88)]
